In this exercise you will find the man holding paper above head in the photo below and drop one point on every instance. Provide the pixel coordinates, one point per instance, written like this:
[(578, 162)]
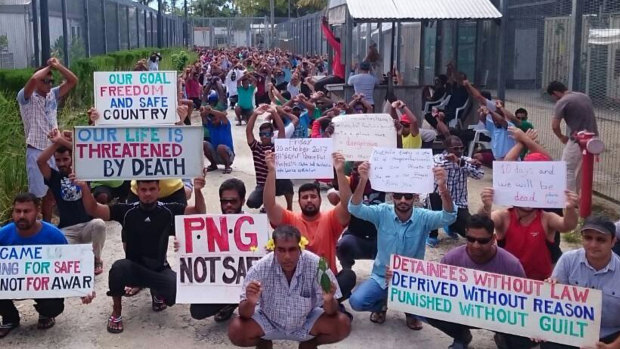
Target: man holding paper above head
[(401, 229)]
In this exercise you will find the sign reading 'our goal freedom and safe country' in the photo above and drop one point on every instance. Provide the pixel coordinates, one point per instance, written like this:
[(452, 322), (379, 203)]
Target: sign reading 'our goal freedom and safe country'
[(558, 313), (136, 98), (215, 254), (46, 271), (103, 153)]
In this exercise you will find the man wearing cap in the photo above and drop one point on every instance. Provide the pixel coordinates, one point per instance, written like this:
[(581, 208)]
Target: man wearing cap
[(410, 132), (364, 82), (594, 266)]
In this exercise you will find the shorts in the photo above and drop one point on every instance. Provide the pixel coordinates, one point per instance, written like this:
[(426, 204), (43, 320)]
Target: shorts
[(120, 192), (298, 335), (36, 185), (246, 112), (217, 157)]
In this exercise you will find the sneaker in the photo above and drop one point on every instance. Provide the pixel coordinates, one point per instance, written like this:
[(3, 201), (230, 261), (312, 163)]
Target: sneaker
[(432, 242)]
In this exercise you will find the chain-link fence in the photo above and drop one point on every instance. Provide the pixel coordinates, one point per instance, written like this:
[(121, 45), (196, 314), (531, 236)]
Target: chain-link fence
[(80, 28)]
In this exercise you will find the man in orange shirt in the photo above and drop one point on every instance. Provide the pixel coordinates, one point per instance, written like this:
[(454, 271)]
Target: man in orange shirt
[(322, 229)]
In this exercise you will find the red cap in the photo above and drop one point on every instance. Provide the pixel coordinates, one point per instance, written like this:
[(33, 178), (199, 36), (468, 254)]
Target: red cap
[(404, 119), (536, 157)]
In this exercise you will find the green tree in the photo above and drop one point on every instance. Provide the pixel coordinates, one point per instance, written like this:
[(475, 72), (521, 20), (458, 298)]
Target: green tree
[(213, 8)]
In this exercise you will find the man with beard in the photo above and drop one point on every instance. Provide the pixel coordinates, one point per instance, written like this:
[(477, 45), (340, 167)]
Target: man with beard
[(282, 299), (75, 223), (27, 230), (232, 198), (322, 229), (528, 232), (147, 224), (401, 229)]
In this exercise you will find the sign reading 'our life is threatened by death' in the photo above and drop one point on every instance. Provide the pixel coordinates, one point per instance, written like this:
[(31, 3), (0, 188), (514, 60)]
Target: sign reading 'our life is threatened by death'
[(104, 153), (46, 271), (215, 254), (136, 97)]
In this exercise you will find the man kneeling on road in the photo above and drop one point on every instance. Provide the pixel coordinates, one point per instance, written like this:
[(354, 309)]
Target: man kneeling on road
[(147, 224), (27, 230), (282, 299)]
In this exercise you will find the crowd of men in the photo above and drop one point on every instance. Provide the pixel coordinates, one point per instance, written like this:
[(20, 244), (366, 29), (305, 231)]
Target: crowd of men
[(281, 297)]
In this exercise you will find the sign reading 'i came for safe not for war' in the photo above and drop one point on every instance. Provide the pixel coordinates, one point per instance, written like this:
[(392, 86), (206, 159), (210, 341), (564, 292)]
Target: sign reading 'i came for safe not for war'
[(136, 97)]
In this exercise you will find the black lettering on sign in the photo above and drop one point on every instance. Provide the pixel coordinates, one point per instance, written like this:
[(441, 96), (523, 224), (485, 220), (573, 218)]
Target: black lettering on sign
[(227, 265)]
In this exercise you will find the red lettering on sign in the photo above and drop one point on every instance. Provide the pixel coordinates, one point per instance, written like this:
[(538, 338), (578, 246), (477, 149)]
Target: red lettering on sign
[(252, 235)]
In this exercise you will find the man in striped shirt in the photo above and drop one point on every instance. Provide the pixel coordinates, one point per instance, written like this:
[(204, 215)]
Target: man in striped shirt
[(266, 133)]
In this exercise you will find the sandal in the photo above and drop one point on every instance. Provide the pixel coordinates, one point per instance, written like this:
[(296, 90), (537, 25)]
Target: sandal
[(158, 304), (225, 313), (115, 324), (413, 322), (227, 170), (378, 317), (45, 322), (131, 291), (98, 267), (6, 328), (211, 168)]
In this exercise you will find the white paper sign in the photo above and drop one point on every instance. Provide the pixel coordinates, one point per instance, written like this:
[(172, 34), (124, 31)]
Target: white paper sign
[(402, 170), (215, 254), (46, 271), (538, 184), (304, 158), (105, 153), (355, 136), (136, 98)]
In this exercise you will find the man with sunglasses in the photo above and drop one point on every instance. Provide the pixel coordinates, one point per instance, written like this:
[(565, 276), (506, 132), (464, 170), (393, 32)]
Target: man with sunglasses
[(38, 104), (594, 266), (401, 229), (481, 253), (458, 168)]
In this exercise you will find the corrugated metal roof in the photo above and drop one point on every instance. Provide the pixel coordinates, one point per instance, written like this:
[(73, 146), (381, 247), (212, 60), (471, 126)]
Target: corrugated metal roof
[(398, 10), (14, 2)]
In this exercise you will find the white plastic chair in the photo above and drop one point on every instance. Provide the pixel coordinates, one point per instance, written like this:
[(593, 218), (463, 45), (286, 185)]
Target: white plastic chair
[(479, 131)]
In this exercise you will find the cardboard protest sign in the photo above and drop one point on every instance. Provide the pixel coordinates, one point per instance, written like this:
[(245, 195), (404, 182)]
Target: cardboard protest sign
[(539, 184), (402, 170), (355, 136), (104, 153), (215, 254), (46, 271), (304, 158), (558, 313), (136, 97)]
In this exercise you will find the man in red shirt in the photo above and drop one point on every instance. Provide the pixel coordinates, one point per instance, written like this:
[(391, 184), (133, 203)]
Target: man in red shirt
[(337, 67)]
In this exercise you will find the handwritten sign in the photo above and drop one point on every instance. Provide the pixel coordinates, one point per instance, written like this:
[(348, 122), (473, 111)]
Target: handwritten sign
[(539, 184), (355, 136), (304, 158), (558, 313), (136, 97), (402, 170), (104, 153), (215, 254), (46, 271)]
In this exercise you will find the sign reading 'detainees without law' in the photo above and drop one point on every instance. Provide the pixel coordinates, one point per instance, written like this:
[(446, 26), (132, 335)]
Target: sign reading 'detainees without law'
[(46, 271), (355, 136), (215, 254), (539, 184), (304, 158), (136, 98), (402, 170), (527, 308), (113, 153)]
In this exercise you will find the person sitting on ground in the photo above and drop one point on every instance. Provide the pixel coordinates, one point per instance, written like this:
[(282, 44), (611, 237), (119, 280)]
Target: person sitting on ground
[(77, 226), (396, 223), (246, 86), (27, 230), (459, 168), (219, 150), (282, 299), (266, 135), (481, 253), (594, 266), (146, 227)]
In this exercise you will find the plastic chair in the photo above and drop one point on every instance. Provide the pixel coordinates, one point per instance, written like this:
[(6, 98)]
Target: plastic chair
[(440, 103), (476, 140)]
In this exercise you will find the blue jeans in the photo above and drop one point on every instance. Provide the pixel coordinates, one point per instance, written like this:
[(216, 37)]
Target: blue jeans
[(369, 296)]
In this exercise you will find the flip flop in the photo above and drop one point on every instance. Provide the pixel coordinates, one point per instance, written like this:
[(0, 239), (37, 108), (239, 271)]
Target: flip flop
[(6, 328), (378, 317), (211, 168), (115, 324), (98, 267), (132, 291), (225, 313), (227, 170), (45, 322), (413, 323), (158, 304)]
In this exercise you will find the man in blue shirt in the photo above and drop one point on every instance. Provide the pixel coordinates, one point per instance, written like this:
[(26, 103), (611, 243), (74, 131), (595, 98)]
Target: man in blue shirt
[(26, 229), (219, 150), (401, 229)]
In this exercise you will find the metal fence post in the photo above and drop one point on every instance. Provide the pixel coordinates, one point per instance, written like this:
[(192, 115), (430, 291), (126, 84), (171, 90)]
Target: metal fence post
[(137, 27), (574, 74), (86, 29), (185, 25), (65, 34), (105, 37), (152, 32), (501, 75), (128, 30), (118, 27), (35, 31), (160, 24), (45, 32)]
